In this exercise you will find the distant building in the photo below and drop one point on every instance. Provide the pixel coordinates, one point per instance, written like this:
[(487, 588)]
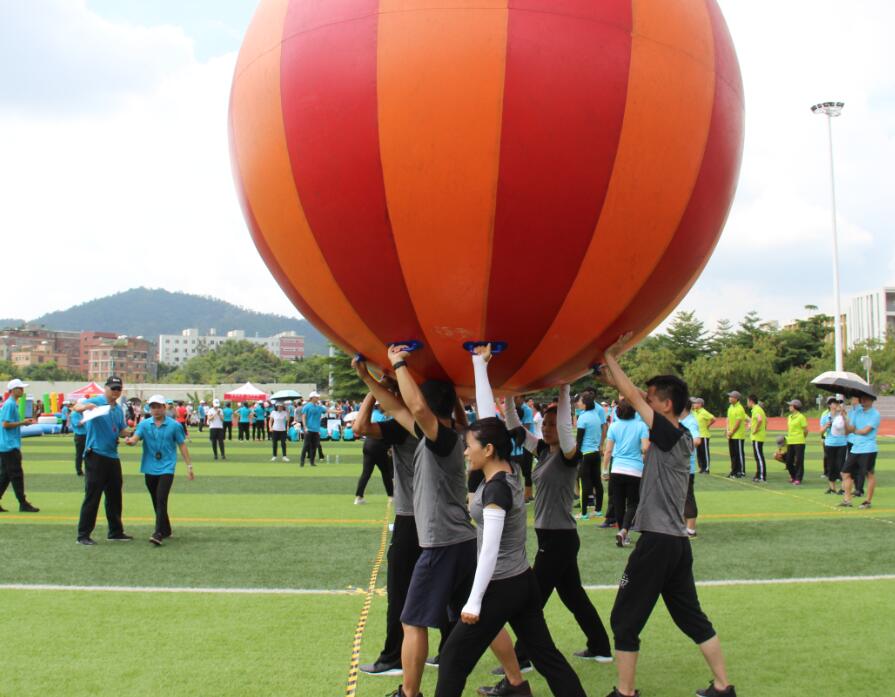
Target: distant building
[(176, 349), (871, 316), (33, 346), (131, 358), (38, 354)]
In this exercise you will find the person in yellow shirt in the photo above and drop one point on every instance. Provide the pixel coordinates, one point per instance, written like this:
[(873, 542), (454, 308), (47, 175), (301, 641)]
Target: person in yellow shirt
[(705, 419), (736, 435), (758, 428), (796, 435)]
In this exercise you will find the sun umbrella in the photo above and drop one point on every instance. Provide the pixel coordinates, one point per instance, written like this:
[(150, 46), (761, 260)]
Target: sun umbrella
[(284, 394), (842, 381)]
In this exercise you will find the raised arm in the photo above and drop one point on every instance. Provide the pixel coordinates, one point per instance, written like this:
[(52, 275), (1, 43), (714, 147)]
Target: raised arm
[(411, 394), (484, 396), (388, 401), (363, 426), (613, 375)]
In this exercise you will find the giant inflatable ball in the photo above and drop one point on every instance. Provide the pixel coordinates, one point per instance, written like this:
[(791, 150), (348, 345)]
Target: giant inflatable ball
[(545, 173)]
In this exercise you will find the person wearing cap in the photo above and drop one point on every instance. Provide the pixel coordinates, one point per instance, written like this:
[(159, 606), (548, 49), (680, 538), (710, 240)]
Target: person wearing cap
[(102, 465), (161, 436), (736, 435), (758, 429), (277, 424), (11, 446), (79, 428), (796, 437), (311, 413), (705, 419), (214, 417), (863, 421), (833, 427)]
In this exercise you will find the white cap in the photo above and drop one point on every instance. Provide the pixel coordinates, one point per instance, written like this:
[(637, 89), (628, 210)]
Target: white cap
[(14, 383), (216, 403), (313, 394), (156, 399)]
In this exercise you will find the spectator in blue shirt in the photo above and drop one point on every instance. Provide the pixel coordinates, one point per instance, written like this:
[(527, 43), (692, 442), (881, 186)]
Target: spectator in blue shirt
[(201, 414), (11, 446), (863, 422), (64, 412), (102, 465), (161, 436), (259, 416), (245, 420), (227, 413), (76, 420), (311, 413), (626, 442), (591, 436)]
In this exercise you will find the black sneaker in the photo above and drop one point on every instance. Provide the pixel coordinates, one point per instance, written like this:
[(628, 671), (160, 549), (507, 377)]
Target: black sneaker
[(382, 668), (524, 667), (120, 537), (87, 541), (79, 473), (606, 524), (589, 655), (829, 491), (505, 689), (400, 693), (433, 660), (863, 506), (616, 693), (858, 493), (156, 539), (712, 691), (28, 508)]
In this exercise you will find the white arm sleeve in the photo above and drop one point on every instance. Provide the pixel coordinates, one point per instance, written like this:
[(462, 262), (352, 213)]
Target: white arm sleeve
[(491, 534), (513, 422), (484, 397), (567, 441)]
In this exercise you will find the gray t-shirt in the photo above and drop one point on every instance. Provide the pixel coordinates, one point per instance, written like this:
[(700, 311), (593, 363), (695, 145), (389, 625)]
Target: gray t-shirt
[(554, 477), (666, 474), (504, 490), (439, 490), (403, 445)]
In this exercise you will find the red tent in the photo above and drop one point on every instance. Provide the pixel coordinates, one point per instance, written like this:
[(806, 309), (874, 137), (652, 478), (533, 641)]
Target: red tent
[(89, 390), (246, 393)]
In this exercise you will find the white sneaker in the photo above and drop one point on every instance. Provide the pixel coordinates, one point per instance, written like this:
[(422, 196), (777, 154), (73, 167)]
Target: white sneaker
[(285, 459), (273, 459), (359, 501)]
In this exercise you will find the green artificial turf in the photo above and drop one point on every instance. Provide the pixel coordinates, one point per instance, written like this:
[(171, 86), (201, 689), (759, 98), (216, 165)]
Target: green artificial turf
[(248, 523)]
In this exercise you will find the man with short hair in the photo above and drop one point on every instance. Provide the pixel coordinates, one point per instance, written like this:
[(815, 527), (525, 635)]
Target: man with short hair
[(758, 428), (705, 419), (736, 435), (103, 466), (11, 446), (863, 422), (311, 414)]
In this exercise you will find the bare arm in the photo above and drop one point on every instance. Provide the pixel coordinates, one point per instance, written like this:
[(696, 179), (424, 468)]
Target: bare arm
[(363, 426), (412, 395), (390, 403), (644, 445), (615, 376)]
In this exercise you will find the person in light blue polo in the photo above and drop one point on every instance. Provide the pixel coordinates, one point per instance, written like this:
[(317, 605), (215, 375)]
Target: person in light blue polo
[(863, 422), (11, 446), (101, 463), (79, 428), (691, 511), (311, 413), (245, 420), (592, 429), (161, 436)]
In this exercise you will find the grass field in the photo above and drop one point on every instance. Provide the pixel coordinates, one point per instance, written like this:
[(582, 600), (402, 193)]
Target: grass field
[(285, 558)]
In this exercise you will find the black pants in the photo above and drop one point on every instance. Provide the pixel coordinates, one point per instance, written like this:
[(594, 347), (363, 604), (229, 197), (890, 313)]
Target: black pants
[(526, 460), (737, 449), (258, 430), (704, 456), (761, 471), (691, 511), (242, 432), (201, 423), (625, 496), (610, 506), (660, 565), (228, 429), (159, 486), (278, 437), (516, 601), (834, 457), (11, 473), (102, 476), (591, 481), (310, 446), (556, 567), (80, 443), (376, 455), (403, 551), (216, 436), (795, 461)]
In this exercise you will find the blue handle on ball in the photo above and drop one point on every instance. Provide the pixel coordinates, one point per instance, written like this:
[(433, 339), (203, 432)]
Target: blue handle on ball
[(411, 345), (496, 346)]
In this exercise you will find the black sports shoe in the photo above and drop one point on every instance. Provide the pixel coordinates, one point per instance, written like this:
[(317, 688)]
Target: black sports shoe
[(156, 539), (120, 537), (589, 655), (505, 689), (400, 693), (80, 473), (433, 660), (712, 691), (382, 668), (524, 667), (28, 508), (86, 541), (616, 693)]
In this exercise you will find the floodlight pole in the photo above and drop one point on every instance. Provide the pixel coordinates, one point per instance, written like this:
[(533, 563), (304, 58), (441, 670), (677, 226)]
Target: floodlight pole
[(831, 110)]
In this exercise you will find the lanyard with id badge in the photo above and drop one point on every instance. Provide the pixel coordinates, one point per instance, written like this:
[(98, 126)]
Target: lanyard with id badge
[(154, 442)]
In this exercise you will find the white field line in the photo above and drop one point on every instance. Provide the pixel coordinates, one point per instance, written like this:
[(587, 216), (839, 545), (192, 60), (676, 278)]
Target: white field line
[(361, 592)]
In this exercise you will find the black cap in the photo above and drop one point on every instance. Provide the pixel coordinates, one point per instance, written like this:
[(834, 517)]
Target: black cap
[(114, 381)]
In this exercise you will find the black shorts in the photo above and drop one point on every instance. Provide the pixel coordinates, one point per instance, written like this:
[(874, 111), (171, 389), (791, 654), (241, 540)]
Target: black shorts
[(441, 582), (858, 463)]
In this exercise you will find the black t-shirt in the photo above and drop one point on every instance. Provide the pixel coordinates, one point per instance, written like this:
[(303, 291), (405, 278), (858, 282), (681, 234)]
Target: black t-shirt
[(664, 433), (497, 492)]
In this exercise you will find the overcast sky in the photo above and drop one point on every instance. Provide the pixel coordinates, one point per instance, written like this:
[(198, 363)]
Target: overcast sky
[(114, 162)]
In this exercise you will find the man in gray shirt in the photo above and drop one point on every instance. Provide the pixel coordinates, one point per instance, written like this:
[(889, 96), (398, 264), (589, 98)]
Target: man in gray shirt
[(662, 562)]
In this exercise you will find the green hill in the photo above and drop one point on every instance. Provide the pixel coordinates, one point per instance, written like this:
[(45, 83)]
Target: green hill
[(149, 312)]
